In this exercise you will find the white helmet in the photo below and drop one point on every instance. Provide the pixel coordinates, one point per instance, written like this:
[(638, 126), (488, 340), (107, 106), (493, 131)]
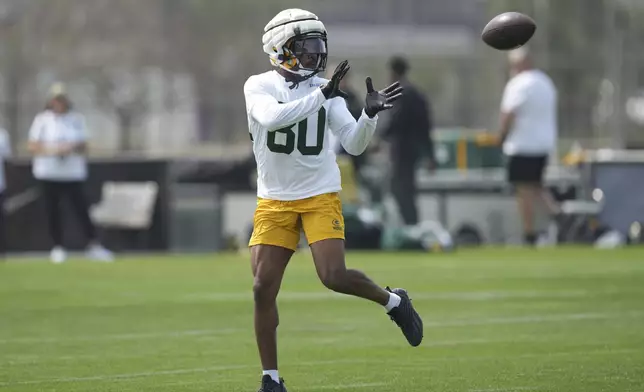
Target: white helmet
[(295, 40)]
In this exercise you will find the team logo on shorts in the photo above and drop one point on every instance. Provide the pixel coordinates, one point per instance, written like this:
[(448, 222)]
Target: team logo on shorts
[(337, 225)]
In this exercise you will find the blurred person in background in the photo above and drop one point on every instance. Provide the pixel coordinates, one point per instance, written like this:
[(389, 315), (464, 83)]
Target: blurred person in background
[(409, 137), (354, 104), (529, 135), (5, 152), (58, 142)]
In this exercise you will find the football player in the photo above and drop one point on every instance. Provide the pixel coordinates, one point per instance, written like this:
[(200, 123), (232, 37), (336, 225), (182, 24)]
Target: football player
[(290, 114)]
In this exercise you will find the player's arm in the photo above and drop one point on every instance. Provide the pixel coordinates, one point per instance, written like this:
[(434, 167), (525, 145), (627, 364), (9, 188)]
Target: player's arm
[(354, 135), (506, 122), (514, 97), (80, 146), (271, 114), (427, 125), (36, 146)]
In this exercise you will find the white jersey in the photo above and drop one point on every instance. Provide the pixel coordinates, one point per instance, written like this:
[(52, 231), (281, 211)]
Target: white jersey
[(51, 130), (532, 97), (291, 139)]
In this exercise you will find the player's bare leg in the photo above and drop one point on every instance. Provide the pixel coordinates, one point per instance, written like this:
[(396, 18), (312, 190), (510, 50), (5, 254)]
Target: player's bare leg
[(527, 197), (553, 207), (328, 256), (268, 264), (525, 201)]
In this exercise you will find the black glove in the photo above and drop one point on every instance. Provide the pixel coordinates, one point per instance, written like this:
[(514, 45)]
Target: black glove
[(332, 89), (378, 101)]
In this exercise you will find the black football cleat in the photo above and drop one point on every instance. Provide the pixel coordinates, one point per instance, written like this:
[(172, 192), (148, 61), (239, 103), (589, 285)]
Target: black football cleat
[(268, 385), (406, 317)]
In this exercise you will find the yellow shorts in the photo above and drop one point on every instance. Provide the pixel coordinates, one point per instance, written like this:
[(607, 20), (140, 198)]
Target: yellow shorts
[(279, 223)]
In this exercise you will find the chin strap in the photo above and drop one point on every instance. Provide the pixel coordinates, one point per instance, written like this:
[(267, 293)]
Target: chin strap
[(297, 78), (281, 58)]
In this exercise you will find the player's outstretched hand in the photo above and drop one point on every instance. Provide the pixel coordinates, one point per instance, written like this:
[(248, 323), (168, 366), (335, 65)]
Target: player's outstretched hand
[(332, 89), (378, 101)]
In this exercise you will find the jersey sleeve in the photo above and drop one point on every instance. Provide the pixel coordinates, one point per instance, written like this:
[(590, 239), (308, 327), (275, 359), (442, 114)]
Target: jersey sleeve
[(514, 96), (272, 115), (354, 135)]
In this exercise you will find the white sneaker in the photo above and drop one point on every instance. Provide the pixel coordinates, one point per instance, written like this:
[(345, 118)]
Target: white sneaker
[(553, 233), (99, 253), (58, 255)]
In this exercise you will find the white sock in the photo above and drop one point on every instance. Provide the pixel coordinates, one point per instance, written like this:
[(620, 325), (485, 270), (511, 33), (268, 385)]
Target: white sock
[(274, 375), (394, 301)]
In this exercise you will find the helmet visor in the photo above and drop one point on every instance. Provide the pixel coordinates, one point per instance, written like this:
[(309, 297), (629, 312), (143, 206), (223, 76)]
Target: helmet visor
[(311, 53)]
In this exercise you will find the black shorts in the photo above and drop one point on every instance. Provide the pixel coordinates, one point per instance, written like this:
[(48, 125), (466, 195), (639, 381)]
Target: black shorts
[(526, 169)]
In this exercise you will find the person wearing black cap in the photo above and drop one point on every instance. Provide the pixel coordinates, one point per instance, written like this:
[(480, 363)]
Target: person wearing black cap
[(408, 134)]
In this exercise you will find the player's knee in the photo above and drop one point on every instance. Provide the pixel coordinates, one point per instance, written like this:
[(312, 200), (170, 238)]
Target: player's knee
[(335, 280), (264, 291)]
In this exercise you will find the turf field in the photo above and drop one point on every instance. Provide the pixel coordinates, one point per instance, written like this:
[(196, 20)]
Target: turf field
[(496, 320)]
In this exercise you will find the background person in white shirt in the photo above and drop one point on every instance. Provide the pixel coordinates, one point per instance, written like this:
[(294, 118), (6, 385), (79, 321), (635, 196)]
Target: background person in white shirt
[(529, 136), (58, 141), (5, 152)]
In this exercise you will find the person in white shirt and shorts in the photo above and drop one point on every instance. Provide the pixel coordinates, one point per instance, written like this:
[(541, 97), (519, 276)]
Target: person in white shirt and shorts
[(529, 136), (58, 142)]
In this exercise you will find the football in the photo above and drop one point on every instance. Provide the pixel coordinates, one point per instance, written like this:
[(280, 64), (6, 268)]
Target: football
[(508, 31)]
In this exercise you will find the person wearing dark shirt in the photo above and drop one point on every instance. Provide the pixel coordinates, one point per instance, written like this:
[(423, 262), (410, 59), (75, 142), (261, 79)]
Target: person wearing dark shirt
[(355, 106), (408, 135), (5, 153)]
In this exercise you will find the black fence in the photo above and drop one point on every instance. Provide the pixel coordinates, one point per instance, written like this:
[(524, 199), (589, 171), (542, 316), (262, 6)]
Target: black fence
[(27, 225)]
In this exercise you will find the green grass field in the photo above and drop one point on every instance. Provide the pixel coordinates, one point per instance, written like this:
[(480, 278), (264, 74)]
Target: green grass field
[(495, 320)]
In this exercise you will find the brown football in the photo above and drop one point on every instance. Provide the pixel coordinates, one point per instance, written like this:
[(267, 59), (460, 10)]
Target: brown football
[(509, 31)]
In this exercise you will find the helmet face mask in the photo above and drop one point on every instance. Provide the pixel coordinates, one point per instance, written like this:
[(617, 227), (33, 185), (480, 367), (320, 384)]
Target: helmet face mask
[(309, 51)]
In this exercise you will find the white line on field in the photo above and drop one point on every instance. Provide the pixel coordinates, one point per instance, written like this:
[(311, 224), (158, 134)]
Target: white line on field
[(117, 377), (346, 386), (14, 360), (363, 342), (213, 381), (462, 296), (536, 319), (127, 336), (200, 333), (517, 339), (20, 360), (128, 376), (423, 364), (510, 389), (527, 319)]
